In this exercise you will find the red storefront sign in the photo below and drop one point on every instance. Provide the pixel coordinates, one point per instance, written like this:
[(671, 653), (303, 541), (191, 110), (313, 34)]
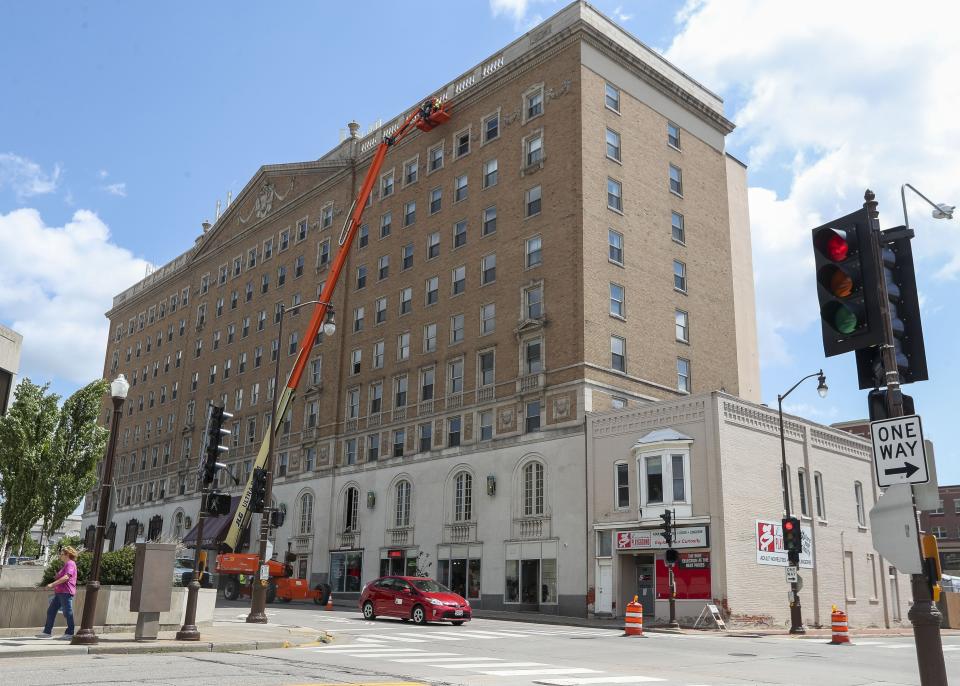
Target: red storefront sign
[(646, 539)]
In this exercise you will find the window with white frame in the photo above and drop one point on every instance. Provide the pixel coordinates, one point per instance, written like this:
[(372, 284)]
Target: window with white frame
[(491, 127), (326, 216), (425, 433), (376, 397), (383, 267), (533, 103), (532, 201), (533, 149), (614, 195), (455, 377), (454, 427), (490, 172), (677, 229), (488, 318), (618, 353), (533, 255), (533, 356), (682, 320), (617, 295), (356, 358), (611, 97), (386, 184), (679, 276), (534, 498), (432, 290), (306, 514), (353, 403), (433, 245), (459, 279), (460, 188), (622, 485), (459, 234), (858, 496), (488, 269), (435, 157), (676, 180), (430, 338), (456, 328), (406, 300), (489, 220), (615, 246), (485, 368), (463, 497), (673, 135), (400, 391), (409, 212), (378, 350), (532, 416), (410, 171), (386, 224), (403, 346), (802, 492), (683, 374), (613, 145), (436, 200), (461, 141), (664, 476), (818, 495), (533, 301), (351, 502), (399, 441), (485, 420), (427, 378)]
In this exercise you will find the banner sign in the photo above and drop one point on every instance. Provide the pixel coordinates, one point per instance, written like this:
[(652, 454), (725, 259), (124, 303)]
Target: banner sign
[(652, 539), (769, 537)]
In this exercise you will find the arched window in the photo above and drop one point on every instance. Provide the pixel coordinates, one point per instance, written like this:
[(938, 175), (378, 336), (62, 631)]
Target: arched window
[(463, 497), (178, 526), (402, 504), (351, 501), (306, 513), (533, 501)]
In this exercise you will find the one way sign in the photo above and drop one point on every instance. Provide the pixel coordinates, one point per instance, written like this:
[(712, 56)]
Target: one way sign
[(898, 453)]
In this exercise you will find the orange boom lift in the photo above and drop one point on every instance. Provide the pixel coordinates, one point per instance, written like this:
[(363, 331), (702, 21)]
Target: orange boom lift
[(429, 115)]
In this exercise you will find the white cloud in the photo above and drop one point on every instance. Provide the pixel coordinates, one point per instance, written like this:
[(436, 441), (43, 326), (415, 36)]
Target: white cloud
[(519, 11), (836, 99), (620, 15), (103, 173), (25, 177), (56, 283), (119, 189)]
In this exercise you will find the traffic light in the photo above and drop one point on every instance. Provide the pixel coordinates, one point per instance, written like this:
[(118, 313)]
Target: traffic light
[(277, 518), (258, 493), (901, 281), (671, 556), (214, 432), (847, 284), (667, 527), (877, 404), (792, 541), (218, 504)]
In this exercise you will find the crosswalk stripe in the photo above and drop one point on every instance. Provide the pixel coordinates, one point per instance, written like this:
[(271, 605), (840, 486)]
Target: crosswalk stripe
[(363, 650), (601, 680), (433, 636), (392, 654), (499, 634), (446, 659), (536, 672), (474, 665), (474, 634), (403, 638)]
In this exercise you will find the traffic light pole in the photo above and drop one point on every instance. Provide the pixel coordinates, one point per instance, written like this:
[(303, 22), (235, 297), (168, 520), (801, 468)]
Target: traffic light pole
[(258, 603), (189, 631), (924, 614)]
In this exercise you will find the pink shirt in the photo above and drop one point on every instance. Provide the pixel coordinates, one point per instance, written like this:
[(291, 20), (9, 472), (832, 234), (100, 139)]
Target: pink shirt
[(69, 585)]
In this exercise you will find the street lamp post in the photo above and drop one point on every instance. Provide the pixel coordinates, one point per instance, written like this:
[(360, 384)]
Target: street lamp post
[(796, 617), (86, 635), (258, 602), (940, 210)]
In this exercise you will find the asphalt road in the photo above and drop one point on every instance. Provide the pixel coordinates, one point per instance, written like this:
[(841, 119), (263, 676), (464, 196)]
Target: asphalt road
[(495, 653)]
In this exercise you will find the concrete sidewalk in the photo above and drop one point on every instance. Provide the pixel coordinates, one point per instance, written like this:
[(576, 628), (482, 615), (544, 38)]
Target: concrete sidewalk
[(221, 637)]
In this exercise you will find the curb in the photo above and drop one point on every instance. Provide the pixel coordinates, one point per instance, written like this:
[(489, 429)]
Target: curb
[(198, 647)]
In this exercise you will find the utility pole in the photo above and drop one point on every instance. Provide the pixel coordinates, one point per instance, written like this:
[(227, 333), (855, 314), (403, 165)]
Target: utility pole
[(924, 614)]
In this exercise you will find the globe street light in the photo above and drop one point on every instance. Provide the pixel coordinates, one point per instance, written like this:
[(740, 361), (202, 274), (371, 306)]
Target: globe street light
[(796, 618), (86, 636)]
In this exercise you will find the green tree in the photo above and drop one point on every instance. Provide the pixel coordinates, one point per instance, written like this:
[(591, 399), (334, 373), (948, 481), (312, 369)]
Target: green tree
[(26, 435), (69, 467), (48, 456)]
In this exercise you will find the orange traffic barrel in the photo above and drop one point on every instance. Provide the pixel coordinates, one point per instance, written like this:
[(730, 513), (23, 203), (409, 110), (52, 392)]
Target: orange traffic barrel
[(633, 621), (841, 632)]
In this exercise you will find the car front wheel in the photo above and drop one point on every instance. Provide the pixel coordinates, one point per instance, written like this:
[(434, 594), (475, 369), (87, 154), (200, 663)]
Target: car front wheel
[(457, 623), (419, 615), (368, 612), (231, 589)]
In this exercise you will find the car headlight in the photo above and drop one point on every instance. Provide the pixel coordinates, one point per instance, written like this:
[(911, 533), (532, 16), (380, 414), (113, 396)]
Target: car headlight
[(434, 601)]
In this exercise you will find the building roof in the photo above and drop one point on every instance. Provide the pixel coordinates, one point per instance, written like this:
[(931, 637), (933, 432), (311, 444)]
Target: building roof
[(661, 436)]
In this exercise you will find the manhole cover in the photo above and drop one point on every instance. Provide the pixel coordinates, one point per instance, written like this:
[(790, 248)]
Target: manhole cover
[(741, 654)]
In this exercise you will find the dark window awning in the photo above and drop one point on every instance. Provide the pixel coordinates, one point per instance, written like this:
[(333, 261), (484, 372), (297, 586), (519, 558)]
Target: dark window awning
[(214, 528)]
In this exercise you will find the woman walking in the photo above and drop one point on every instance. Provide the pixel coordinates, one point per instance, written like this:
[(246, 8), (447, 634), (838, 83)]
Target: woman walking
[(64, 588)]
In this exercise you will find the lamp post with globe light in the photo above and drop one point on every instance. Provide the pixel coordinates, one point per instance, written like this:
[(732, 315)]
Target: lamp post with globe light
[(86, 636), (796, 618)]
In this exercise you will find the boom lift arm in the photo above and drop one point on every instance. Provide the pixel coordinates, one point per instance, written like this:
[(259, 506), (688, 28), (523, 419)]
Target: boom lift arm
[(429, 115)]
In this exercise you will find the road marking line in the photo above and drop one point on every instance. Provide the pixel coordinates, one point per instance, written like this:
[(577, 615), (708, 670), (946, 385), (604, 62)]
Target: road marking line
[(474, 665), (476, 635), (403, 638), (347, 650), (446, 659), (602, 680), (432, 637), (536, 672)]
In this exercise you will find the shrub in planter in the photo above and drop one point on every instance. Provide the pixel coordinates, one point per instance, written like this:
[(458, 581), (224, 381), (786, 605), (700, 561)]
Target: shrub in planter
[(116, 567)]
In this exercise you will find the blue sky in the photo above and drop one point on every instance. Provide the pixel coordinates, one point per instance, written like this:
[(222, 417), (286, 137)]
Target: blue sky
[(122, 124)]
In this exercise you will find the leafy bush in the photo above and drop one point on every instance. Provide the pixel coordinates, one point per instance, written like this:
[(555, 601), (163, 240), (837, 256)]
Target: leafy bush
[(116, 568)]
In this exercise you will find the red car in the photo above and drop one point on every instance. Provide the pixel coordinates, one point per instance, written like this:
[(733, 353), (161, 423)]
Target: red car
[(412, 597)]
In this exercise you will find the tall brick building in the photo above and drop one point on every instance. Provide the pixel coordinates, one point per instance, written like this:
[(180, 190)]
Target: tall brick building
[(574, 240)]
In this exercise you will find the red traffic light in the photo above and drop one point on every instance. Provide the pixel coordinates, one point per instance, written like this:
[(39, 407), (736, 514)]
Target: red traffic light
[(788, 525), (833, 243)]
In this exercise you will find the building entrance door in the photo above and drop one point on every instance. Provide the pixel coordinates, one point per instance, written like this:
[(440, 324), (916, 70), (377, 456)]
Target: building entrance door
[(604, 604), (530, 582), (646, 584)]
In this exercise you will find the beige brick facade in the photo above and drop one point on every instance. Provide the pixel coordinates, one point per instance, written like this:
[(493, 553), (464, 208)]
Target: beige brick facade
[(546, 91)]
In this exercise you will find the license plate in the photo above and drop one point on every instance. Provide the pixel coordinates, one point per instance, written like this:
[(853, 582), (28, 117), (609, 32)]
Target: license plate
[(458, 613)]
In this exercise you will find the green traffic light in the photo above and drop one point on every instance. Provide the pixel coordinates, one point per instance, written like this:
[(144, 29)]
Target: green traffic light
[(842, 318)]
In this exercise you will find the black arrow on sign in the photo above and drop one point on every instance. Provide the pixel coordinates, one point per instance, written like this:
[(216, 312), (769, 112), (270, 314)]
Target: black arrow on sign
[(907, 469)]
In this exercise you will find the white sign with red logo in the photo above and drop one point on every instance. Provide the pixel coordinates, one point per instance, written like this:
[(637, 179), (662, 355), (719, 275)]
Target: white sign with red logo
[(650, 539), (770, 545)]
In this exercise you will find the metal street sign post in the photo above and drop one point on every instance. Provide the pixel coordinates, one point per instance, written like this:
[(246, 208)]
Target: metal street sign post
[(893, 527), (899, 455), (791, 574)]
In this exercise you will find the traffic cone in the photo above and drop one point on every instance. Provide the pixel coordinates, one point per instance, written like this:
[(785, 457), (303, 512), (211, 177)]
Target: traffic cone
[(841, 631), (329, 605)]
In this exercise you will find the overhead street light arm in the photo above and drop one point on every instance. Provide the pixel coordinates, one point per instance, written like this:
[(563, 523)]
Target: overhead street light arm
[(940, 210)]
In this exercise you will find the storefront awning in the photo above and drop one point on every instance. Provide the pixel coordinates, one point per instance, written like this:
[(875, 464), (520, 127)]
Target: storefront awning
[(214, 528)]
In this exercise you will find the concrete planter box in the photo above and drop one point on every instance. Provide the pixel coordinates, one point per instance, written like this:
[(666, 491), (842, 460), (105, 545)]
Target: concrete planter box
[(27, 607), (20, 576)]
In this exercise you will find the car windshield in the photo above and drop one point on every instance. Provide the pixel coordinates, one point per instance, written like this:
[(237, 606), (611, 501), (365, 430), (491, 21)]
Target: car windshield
[(430, 586)]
